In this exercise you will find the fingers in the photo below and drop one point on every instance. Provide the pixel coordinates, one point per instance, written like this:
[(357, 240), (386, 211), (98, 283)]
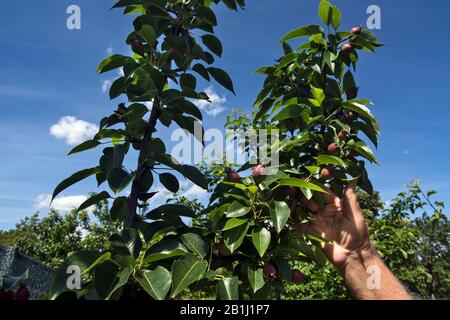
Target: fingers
[(350, 202), (311, 205)]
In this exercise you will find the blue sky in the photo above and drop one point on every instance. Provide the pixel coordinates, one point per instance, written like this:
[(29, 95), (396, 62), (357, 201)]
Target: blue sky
[(48, 72)]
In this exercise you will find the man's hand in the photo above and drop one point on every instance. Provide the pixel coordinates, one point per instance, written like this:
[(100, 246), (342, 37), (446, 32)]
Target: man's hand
[(341, 222)]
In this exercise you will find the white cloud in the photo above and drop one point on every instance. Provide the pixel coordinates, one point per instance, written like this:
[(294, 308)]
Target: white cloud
[(106, 84), (72, 130), (64, 204), (187, 189), (194, 192), (216, 106), (109, 51)]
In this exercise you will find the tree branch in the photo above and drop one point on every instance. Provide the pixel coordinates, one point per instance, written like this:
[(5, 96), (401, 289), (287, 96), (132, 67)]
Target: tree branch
[(137, 181)]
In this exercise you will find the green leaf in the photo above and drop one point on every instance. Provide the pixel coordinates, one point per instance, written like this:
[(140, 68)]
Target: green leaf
[(207, 14), (213, 44), (76, 177), (105, 278), (121, 280), (261, 240), (173, 209), (169, 181), (165, 249), (188, 82), (201, 70), (318, 94), (295, 182), (264, 108), (228, 288), (156, 282), (287, 59), (81, 259), (190, 172), (117, 88), (222, 78), (89, 144), (195, 243), (148, 34), (325, 11), (302, 32), (326, 159), (118, 179), (237, 209), (290, 112), (336, 17), (349, 81), (119, 209), (363, 149), (95, 199), (185, 272), (113, 62), (256, 278), (234, 223), (233, 238), (363, 111), (279, 213)]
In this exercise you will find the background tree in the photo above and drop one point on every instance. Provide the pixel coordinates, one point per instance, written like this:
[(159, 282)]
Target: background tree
[(50, 239)]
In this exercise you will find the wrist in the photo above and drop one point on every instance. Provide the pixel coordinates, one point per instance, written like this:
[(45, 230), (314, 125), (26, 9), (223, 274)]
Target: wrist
[(359, 259)]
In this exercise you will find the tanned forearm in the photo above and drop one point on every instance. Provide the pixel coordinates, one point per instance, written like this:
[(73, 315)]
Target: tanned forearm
[(368, 278)]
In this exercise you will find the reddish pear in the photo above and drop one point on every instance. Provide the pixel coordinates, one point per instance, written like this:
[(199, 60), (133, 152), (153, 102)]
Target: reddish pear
[(172, 53), (333, 148), (258, 171), (342, 134), (347, 48), (291, 125), (356, 30), (233, 177), (270, 272), (22, 293), (138, 47), (352, 93), (122, 108), (327, 172), (297, 276), (293, 192)]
